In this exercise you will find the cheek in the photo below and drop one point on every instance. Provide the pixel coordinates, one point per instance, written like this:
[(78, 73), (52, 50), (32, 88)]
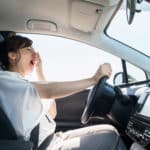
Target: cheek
[(25, 57), (23, 61)]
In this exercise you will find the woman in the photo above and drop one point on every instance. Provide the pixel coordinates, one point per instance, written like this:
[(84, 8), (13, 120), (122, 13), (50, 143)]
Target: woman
[(22, 102)]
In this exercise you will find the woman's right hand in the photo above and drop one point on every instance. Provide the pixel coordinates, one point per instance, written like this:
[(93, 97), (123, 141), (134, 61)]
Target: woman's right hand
[(39, 67)]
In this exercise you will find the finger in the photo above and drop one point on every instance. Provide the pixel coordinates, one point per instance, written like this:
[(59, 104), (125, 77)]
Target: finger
[(109, 73), (107, 64)]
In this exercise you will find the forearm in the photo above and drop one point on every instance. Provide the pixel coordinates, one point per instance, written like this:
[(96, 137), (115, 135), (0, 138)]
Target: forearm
[(68, 88), (62, 89)]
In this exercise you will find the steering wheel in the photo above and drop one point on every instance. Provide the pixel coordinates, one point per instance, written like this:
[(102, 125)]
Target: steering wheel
[(130, 10), (95, 94)]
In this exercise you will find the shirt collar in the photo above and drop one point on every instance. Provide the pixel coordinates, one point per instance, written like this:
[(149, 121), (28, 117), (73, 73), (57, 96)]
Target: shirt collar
[(10, 73)]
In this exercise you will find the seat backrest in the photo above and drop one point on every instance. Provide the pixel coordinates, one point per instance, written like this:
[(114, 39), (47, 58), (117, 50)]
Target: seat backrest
[(7, 131), (1, 38)]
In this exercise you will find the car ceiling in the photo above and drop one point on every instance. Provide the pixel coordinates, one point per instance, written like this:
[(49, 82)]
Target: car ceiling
[(52, 16), (82, 20)]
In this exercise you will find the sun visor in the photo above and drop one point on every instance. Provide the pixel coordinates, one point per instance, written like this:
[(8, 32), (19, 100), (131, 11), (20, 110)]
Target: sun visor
[(104, 2), (85, 15)]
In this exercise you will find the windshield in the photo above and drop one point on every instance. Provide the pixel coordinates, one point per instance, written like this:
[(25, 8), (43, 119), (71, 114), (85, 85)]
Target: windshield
[(136, 35)]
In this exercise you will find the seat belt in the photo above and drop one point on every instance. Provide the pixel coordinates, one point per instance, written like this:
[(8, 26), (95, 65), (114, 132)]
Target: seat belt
[(34, 137), (46, 142)]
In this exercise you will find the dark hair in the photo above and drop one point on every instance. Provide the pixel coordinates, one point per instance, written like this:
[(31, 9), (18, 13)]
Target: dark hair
[(12, 44)]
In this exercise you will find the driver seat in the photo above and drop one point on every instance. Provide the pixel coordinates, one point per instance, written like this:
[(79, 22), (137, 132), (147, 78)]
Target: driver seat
[(8, 137), (10, 141), (6, 129)]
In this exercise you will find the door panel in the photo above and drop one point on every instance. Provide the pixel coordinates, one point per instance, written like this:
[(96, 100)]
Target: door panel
[(69, 111)]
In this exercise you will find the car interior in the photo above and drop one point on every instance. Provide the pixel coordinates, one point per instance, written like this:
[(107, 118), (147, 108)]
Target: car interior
[(123, 103)]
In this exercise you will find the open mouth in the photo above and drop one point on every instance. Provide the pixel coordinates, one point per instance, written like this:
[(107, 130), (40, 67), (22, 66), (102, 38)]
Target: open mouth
[(32, 62)]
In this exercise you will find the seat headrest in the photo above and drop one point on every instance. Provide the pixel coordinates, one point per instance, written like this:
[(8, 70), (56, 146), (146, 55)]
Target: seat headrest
[(1, 38), (7, 34)]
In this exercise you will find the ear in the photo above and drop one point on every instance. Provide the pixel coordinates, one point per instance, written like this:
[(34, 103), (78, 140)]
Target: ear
[(12, 55)]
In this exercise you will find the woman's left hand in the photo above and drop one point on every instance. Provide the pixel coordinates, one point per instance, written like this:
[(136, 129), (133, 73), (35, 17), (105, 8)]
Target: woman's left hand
[(103, 70)]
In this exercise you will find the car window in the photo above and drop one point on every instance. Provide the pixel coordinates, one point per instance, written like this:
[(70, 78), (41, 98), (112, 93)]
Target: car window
[(65, 59), (137, 34), (135, 74)]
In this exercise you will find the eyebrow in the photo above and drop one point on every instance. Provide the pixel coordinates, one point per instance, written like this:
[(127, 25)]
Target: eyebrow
[(30, 48)]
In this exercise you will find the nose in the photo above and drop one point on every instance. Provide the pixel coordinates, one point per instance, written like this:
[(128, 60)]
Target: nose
[(34, 54)]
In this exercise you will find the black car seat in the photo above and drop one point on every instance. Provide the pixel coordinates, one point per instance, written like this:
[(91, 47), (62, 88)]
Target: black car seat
[(7, 132), (8, 136)]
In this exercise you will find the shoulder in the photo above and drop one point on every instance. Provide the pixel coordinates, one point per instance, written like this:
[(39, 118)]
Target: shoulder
[(13, 81)]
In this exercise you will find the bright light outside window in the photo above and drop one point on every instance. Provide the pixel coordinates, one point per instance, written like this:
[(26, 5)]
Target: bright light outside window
[(65, 59), (136, 35)]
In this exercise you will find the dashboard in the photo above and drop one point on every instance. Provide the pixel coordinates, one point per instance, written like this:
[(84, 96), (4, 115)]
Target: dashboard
[(138, 128)]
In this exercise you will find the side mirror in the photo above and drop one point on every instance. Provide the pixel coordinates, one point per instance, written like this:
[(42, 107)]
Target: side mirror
[(118, 78)]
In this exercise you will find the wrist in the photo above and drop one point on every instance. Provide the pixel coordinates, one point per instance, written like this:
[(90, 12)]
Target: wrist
[(97, 78), (93, 80), (39, 69)]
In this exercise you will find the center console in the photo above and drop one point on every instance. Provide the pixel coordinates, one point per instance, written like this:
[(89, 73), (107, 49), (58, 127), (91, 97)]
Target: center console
[(138, 128)]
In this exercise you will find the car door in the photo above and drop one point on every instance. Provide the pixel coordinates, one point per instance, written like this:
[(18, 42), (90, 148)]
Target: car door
[(69, 111)]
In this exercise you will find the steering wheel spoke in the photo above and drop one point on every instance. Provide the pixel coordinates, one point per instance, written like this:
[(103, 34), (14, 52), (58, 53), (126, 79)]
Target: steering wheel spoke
[(98, 94)]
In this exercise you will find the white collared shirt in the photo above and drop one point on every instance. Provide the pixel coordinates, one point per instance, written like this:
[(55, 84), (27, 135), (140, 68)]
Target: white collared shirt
[(21, 103)]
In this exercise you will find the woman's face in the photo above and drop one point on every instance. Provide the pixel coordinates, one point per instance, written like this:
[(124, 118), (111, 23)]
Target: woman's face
[(26, 60)]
